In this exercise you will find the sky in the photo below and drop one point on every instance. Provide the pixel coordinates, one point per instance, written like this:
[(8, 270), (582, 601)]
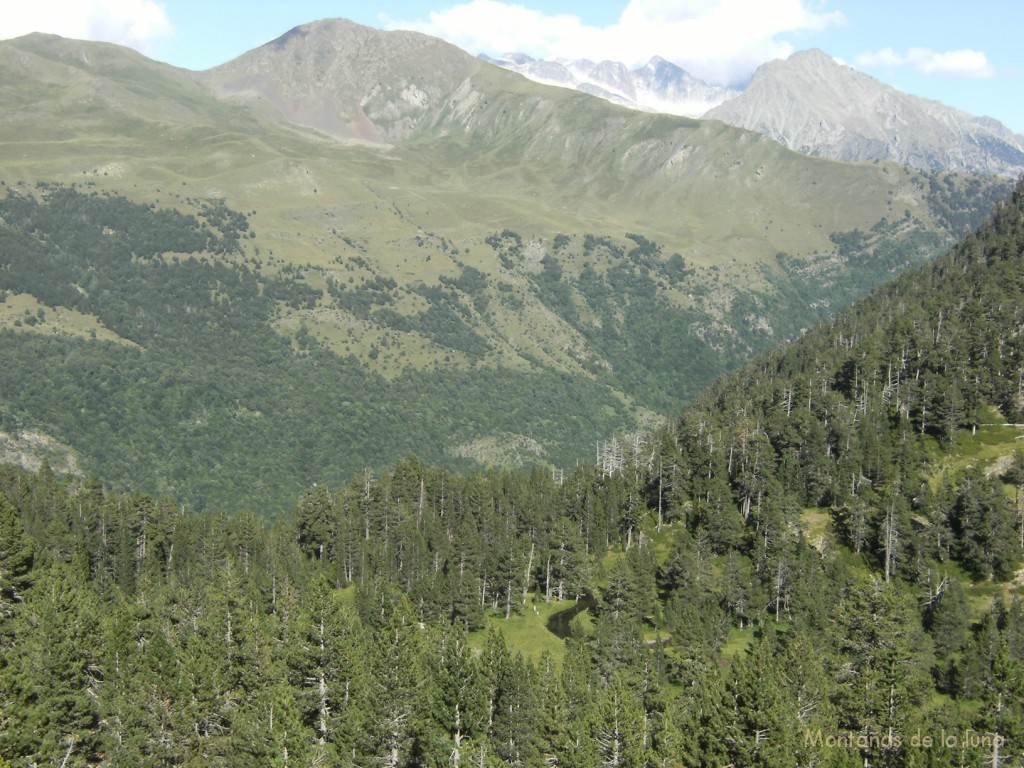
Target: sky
[(966, 55)]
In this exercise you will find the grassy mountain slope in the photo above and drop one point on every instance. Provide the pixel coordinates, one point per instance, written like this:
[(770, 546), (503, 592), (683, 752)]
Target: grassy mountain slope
[(472, 234)]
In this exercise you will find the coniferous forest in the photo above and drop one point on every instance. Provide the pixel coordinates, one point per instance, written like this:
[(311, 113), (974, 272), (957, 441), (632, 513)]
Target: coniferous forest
[(816, 564)]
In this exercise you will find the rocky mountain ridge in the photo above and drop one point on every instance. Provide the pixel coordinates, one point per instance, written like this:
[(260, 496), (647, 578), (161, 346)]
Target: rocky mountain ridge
[(658, 86), (809, 103), (815, 105), (345, 80)]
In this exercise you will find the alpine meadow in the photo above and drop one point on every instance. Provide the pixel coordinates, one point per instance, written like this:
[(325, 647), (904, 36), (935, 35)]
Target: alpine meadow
[(366, 403)]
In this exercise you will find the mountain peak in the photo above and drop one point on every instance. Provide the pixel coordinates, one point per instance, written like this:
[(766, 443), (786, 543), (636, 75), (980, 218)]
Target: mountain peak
[(328, 76), (812, 55), (516, 57), (812, 103)]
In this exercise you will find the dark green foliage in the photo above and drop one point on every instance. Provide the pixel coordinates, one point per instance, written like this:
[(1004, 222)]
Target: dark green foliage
[(955, 200), (213, 406), (946, 619), (509, 247), (52, 673), (16, 556), (675, 268), (210, 374), (981, 521), (763, 726), (210, 649), (460, 708)]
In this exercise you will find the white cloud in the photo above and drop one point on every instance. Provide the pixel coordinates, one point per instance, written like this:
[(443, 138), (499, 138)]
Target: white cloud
[(490, 26), (135, 23), (886, 57), (721, 41), (964, 63)]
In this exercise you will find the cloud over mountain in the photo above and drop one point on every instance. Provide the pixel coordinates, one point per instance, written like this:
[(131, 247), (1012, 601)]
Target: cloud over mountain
[(960, 63), (719, 42), (135, 23)]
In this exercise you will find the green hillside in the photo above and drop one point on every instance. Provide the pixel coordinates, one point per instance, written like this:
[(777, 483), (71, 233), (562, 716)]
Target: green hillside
[(489, 242)]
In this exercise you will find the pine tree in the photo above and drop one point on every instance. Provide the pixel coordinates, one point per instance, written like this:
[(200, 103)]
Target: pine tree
[(458, 711), (315, 521), (811, 691), (17, 553), (619, 726), (947, 620), (617, 638), (398, 679), (552, 708), (983, 526), (882, 670), (574, 745), (764, 730), (712, 718), (328, 671), (56, 671), (511, 704), (142, 690)]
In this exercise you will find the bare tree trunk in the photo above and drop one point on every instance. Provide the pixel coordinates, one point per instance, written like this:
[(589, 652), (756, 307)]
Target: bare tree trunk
[(890, 541), (547, 581), (659, 494), (526, 576)]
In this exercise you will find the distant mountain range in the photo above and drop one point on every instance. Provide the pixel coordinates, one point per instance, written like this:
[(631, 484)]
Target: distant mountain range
[(810, 103), (659, 86)]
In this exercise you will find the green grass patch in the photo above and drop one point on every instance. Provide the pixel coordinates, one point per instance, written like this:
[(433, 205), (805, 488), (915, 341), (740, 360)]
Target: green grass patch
[(990, 446), (664, 540), (817, 524), (23, 312), (527, 632), (737, 642)]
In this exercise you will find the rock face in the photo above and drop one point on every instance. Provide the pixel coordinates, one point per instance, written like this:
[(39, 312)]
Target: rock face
[(356, 83), (346, 80), (813, 104), (659, 86)]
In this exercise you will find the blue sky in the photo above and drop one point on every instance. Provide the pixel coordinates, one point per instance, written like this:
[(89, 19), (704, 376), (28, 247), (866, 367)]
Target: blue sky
[(967, 55)]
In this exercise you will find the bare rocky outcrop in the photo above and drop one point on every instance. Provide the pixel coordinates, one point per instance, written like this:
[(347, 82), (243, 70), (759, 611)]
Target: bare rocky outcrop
[(29, 449), (815, 105), (346, 80), (658, 86)]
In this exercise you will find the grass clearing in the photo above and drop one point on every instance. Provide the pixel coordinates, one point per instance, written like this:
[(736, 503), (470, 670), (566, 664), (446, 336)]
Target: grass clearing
[(527, 632), (25, 313), (737, 642), (817, 525), (991, 446)]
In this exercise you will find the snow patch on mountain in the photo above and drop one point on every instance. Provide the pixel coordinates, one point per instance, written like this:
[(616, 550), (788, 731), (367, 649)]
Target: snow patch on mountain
[(658, 86)]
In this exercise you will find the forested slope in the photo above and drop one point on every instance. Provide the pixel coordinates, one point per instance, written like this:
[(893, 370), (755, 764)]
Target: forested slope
[(464, 232), (810, 567), (192, 392), (861, 414), (199, 367)]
